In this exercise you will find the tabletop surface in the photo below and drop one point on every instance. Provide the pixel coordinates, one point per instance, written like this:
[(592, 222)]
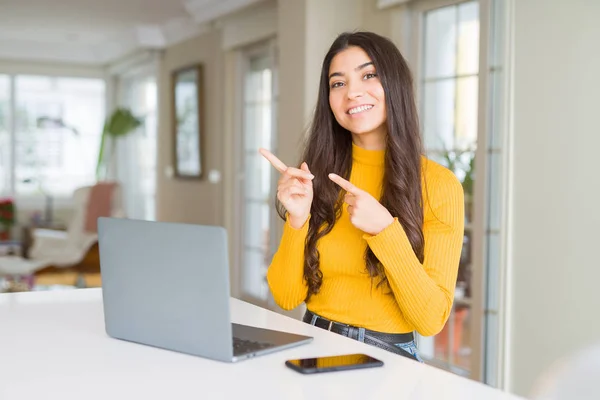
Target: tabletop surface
[(53, 346)]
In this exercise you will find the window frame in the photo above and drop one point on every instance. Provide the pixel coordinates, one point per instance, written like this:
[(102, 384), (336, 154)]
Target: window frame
[(125, 85)]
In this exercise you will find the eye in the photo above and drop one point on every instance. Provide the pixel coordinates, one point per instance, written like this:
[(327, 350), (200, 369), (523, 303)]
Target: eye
[(336, 85), (370, 75)]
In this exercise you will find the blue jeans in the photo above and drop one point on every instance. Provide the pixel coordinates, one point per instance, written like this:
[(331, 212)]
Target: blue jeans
[(411, 348)]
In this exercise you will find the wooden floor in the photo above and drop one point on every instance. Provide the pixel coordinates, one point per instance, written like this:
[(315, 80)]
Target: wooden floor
[(68, 279)]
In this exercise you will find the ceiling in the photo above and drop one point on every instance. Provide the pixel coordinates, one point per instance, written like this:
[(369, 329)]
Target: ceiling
[(100, 31)]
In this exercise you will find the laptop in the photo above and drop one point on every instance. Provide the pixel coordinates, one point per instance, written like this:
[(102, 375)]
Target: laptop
[(167, 285)]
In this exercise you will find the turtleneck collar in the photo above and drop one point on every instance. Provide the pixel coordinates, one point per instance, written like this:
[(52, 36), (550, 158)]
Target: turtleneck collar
[(368, 157)]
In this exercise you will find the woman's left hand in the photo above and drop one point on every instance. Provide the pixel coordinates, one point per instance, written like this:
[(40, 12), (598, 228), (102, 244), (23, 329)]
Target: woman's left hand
[(366, 213)]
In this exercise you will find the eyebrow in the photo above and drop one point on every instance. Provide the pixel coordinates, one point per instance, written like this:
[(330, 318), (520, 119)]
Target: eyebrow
[(361, 66)]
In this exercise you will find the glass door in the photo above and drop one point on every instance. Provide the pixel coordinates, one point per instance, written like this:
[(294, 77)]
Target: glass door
[(255, 188), (449, 92)]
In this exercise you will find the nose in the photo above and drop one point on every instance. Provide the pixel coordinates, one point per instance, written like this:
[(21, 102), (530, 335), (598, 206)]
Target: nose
[(355, 90)]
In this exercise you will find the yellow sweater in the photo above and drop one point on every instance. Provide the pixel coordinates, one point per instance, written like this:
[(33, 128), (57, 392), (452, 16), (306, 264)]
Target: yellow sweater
[(422, 293)]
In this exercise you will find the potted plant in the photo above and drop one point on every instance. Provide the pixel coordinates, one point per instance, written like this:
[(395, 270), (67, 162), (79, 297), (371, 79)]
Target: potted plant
[(119, 124)]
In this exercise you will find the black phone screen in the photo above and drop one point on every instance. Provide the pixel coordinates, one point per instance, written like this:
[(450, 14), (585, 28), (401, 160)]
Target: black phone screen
[(333, 363)]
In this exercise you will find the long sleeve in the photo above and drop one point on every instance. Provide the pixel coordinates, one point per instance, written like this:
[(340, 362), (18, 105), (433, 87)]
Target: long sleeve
[(286, 272), (425, 292)]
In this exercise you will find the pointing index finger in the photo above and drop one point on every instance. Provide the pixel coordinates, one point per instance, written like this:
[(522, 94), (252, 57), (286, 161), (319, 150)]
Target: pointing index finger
[(344, 184), (275, 162)]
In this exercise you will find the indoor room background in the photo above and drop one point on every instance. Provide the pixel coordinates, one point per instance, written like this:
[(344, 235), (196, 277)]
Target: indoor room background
[(169, 101)]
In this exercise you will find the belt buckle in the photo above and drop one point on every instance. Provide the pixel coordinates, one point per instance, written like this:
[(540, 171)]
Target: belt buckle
[(330, 325)]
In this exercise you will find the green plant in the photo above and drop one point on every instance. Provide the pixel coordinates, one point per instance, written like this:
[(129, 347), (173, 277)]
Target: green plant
[(469, 171), (119, 124), (461, 162)]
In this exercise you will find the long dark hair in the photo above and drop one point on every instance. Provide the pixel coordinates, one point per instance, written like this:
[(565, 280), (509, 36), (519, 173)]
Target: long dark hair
[(329, 149)]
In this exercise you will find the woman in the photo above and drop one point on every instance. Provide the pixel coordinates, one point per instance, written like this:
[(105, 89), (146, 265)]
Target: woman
[(373, 230)]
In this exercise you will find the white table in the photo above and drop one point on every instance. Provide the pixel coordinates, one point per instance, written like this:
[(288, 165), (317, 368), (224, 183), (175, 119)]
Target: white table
[(53, 346)]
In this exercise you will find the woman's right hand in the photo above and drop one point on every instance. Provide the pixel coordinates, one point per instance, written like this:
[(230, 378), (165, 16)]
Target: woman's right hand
[(294, 189)]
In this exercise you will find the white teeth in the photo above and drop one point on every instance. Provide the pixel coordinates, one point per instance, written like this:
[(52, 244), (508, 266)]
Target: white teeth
[(359, 109)]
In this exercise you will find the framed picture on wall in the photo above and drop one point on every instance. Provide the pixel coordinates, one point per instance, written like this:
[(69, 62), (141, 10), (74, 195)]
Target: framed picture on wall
[(188, 118)]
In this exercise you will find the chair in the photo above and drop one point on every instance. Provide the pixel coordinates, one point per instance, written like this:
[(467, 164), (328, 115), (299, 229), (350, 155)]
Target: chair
[(73, 250)]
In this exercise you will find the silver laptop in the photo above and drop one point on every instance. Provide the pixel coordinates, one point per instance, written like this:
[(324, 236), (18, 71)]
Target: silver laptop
[(167, 285)]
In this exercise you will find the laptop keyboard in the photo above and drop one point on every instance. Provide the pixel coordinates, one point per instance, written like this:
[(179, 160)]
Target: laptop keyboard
[(242, 346)]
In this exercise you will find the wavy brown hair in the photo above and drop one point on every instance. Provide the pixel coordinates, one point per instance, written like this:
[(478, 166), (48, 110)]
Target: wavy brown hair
[(329, 149)]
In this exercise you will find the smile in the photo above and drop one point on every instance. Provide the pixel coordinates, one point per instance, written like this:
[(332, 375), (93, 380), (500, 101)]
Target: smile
[(360, 109)]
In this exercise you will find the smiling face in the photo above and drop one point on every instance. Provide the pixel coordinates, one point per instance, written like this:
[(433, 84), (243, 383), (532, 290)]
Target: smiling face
[(357, 99)]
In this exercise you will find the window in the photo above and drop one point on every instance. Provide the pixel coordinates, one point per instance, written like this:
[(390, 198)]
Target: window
[(259, 101), (55, 137), (450, 78), (462, 86), (136, 152), (449, 84), (5, 150)]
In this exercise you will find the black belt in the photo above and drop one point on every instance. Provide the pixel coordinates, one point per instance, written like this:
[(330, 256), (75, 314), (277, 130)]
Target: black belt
[(386, 341)]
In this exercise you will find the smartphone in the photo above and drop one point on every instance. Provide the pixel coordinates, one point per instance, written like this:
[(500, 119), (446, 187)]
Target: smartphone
[(333, 363)]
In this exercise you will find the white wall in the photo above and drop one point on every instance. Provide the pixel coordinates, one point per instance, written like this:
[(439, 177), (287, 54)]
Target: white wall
[(192, 201), (250, 25), (555, 238), (51, 69)]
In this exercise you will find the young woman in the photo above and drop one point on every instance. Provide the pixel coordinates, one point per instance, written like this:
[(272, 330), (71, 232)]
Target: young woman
[(373, 230)]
